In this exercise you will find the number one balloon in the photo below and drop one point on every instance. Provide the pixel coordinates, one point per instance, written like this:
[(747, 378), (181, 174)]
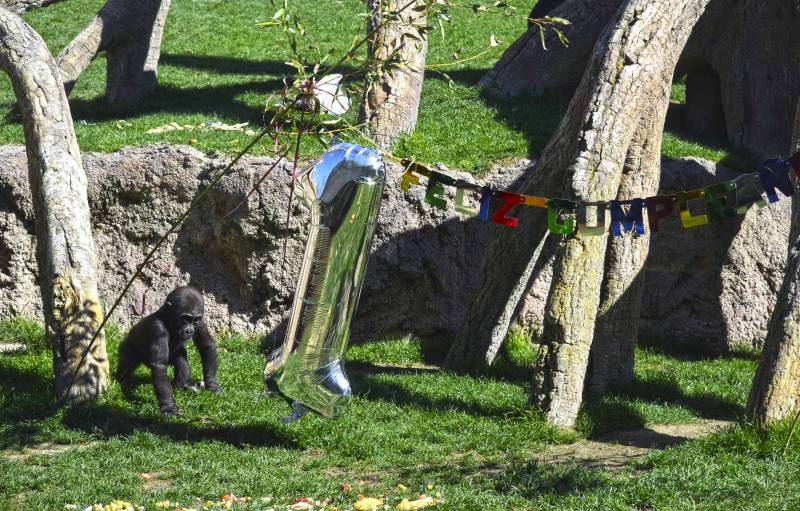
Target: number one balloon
[(343, 190)]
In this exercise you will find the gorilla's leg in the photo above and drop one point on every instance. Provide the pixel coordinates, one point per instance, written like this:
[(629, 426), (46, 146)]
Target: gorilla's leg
[(129, 360)]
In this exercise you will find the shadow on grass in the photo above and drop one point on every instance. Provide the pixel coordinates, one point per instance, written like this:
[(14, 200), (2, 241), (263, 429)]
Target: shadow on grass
[(109, 421), (678, 351), (663, 389), (535, 116), (214, 100), (366, 384), (28, 400), (531, 479), (226, 65), (618, 412), (525, 479)]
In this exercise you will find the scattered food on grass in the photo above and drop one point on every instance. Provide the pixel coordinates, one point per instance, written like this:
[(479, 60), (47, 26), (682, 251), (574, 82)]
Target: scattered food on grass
[(231, 502), (208, 125), (367, 503), (422, 502)]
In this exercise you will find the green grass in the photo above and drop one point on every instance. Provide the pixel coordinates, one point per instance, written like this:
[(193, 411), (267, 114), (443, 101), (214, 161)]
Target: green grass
[(472, 438), (217, 65)]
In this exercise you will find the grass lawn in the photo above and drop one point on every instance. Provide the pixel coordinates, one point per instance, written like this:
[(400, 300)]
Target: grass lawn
[(217, 65), (471, 441)]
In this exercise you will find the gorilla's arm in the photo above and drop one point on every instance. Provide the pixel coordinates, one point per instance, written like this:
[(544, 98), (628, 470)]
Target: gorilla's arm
[(180, 361), (159, 359), (207, 347)]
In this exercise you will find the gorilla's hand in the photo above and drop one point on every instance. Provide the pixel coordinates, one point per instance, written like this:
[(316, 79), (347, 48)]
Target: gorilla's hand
[(170, 410), (214, 387)]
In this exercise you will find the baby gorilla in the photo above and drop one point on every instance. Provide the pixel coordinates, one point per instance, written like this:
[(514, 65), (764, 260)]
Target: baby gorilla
[(158, 340)]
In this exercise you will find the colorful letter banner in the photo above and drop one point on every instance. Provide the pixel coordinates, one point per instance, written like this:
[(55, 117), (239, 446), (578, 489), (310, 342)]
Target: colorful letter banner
[(712, 204)]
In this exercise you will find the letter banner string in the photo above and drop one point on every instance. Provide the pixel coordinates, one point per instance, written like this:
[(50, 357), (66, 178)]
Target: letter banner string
[(712, 204)]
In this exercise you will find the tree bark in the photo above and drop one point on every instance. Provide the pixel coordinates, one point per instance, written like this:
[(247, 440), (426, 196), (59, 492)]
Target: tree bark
[(636, 57), (528, 67), (130, 31), (630, 69), (776, 387), (23, 6), (612, 352), (392, 95), (65, 249)]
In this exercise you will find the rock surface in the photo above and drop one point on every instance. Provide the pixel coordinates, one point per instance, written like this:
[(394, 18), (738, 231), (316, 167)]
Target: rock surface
[(420, 274), (713, 286)]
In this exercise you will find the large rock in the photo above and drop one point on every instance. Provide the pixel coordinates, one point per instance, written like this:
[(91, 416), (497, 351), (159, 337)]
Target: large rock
[(419, 277), (711, 287)]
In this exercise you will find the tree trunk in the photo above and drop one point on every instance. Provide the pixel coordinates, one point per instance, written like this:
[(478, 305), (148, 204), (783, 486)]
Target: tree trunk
[(130, 31), (612, 353), (391, 99), (528, 67), (636, 57), (628, 76), (23, 6), (776, 387), (65, 251)]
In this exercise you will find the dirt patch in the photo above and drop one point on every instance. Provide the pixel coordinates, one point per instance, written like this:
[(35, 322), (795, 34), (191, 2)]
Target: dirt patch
[(155, 482), (43, 449), (12, 347), (615, 450)]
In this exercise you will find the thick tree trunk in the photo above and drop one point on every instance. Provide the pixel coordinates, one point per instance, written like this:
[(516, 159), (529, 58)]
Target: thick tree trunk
[(391, 99), (528, 67), (629, 73), (130, 31), (22, 6), (65, 251), (631, 69), (612, 352), (776, 387)]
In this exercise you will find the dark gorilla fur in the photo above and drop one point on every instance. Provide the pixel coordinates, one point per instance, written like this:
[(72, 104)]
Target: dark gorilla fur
[(158, 340)]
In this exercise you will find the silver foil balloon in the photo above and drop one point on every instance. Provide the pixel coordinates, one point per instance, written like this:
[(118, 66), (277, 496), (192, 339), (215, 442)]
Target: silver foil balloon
[(343, 190)]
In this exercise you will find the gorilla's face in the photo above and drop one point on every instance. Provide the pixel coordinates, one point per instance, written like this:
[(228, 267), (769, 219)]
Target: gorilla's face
[(188, 324), (185, 312)]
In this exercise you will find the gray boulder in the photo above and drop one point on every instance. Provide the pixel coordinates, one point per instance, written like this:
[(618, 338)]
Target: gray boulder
[(419, 277), (712, 286)]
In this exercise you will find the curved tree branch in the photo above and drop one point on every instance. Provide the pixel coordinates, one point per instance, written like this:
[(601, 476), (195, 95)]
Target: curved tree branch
[(65, 249)]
